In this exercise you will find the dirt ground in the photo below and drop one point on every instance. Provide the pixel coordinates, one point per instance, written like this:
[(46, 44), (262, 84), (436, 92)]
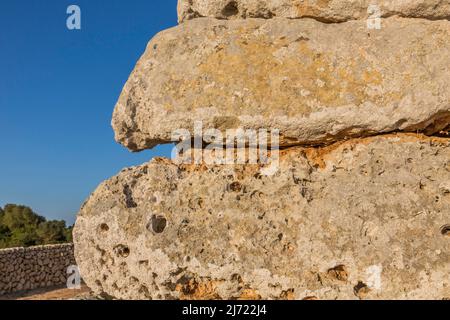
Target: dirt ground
[(56, 293)]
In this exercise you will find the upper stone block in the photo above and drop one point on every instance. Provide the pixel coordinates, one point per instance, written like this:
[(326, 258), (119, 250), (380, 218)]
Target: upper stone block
[(323, 10), (315, 82)]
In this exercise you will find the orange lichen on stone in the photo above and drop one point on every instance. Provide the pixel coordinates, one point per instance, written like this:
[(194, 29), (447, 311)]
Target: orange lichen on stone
[(249, 294), (194, 290), (272, 76), (288, 295), (306, 8), (319, 156)]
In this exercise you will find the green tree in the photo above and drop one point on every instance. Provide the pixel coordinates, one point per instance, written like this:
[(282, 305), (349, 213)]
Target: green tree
[(52, 231), (20, 226), (69, 234)]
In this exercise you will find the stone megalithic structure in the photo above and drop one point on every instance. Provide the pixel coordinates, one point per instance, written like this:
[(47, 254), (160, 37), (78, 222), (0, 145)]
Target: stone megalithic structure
[(355, 200)]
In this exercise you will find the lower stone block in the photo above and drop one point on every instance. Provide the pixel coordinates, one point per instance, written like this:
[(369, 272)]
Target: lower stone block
[(361, 219)]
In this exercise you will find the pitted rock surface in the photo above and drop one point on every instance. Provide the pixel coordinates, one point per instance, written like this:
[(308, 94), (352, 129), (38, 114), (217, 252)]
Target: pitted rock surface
[(362, 219)]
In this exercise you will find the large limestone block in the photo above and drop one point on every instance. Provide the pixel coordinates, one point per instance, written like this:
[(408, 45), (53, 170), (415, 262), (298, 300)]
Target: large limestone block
[(322, 10), (367, 218), (315, 82)]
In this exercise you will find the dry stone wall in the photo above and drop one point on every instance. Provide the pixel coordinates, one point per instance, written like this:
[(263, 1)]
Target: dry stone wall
[(34, 267)]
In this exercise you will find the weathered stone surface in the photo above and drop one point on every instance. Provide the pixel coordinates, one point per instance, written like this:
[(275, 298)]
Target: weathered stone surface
[(324, 226), (323, 10), (315, 82)]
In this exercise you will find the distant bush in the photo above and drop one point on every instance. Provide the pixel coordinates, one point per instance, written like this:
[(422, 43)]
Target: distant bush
[(21, 227)]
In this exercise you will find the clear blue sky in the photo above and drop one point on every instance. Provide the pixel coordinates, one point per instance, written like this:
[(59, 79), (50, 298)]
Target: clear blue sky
[(58, 89)]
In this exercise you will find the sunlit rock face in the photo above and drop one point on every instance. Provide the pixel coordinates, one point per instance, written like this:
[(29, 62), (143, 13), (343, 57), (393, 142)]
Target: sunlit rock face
[(366, 218), (328, 11), (316, 83), (357, 206)]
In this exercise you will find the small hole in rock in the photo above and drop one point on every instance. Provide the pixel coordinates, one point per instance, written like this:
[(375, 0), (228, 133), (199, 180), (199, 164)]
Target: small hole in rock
[(288, 294), (231, 9), (445, 230), (122, 251), (143, 263), (157, 224), (144, 291), (236, 277), (339, 273), (104, 227), (361, 290), (129, 201), (235, 186)]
